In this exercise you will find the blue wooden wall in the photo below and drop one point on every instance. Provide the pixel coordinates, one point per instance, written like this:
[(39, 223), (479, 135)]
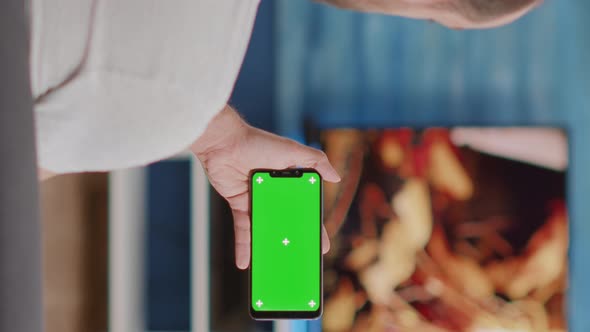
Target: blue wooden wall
[(347, 69), (168, 249)]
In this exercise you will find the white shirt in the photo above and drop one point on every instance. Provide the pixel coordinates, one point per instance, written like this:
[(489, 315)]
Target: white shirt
[(122, 83)]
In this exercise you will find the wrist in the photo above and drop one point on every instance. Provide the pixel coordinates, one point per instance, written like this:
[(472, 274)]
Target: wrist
[(225, 129)]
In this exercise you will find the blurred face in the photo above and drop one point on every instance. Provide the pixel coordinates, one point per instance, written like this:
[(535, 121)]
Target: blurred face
[(456, 14)]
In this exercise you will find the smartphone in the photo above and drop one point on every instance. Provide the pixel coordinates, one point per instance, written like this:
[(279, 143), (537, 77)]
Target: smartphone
[(286, 241)]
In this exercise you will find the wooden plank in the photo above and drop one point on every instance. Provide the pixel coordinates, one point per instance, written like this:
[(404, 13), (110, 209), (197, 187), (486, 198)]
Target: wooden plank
[(75, 252)]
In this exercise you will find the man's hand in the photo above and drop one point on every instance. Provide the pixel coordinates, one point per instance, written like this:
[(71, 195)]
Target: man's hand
[(229, 148), (456, 14)]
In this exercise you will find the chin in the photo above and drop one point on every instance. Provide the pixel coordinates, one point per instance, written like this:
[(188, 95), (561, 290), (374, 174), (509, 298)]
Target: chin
[(455, 14), (477, 16)]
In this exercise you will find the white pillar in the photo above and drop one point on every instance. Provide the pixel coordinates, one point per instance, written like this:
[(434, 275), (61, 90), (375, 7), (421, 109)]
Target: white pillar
[(282, 326), (200, 267), (127, 197)]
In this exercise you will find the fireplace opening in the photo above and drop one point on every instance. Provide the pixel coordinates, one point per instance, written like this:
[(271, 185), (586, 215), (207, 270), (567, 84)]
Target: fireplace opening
[(431, 236)]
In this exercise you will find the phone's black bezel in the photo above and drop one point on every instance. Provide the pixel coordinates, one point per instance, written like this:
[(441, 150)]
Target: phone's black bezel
[(271, 315)]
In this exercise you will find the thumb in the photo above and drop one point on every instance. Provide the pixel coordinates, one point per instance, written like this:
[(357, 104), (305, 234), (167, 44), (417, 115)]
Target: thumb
[(325, 241), (306, 156)]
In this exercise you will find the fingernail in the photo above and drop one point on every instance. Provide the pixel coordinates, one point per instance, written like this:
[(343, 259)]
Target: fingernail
[(337, 177)]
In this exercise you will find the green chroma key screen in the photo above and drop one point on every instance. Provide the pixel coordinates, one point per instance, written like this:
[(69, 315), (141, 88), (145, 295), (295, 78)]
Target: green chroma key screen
[(286, 235)]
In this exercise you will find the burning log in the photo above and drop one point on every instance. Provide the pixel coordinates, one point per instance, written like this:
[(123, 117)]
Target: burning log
[(393, 147), (362, 255), (400, 241), (541, 264), (339, 310), (345, 149), (412, 206), (445, 171), (464, 273), (373, 204)]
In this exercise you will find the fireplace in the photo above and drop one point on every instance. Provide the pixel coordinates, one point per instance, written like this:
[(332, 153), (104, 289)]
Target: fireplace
[(431, 236)]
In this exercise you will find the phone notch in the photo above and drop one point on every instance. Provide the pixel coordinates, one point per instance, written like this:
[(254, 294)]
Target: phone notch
[(286, 173)]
